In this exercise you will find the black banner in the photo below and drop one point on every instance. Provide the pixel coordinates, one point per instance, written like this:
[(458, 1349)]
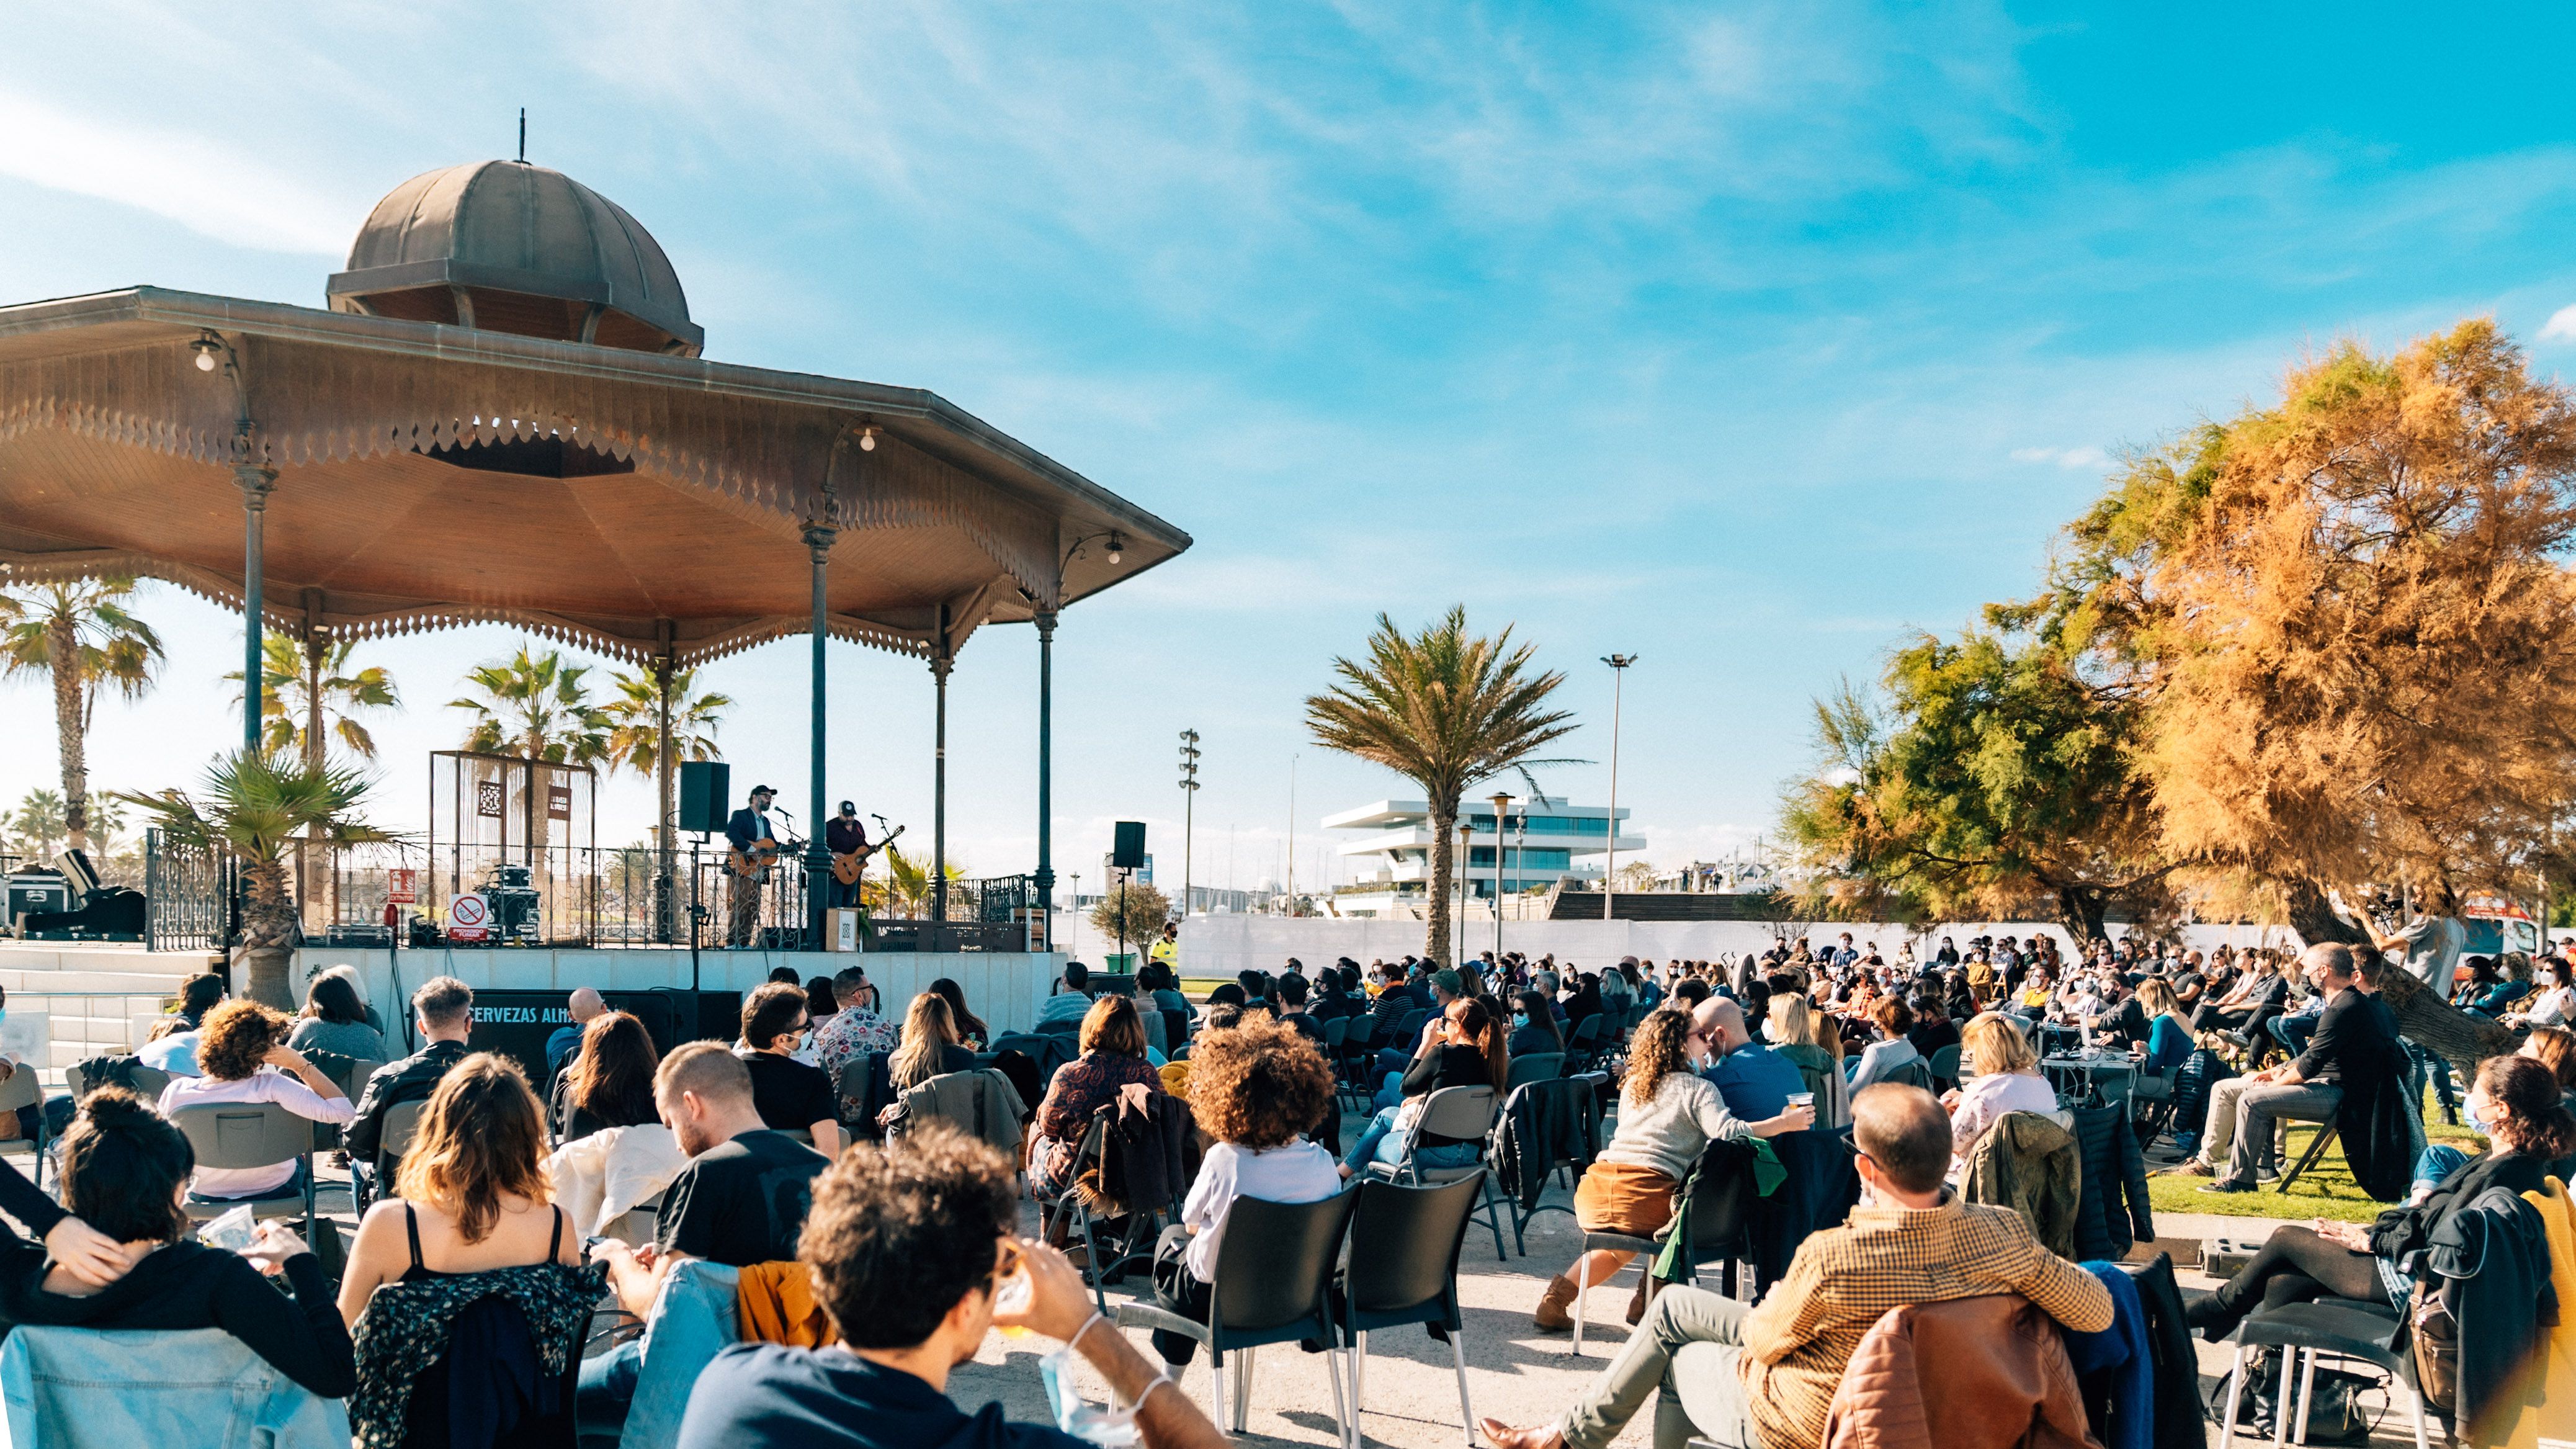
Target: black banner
[(517, 1023)]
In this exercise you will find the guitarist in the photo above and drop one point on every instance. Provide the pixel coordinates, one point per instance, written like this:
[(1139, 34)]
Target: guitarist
[(749, 827), (843, 834)]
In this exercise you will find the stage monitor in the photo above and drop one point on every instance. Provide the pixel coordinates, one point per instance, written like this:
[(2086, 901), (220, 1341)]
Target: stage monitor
[(706, 795), (1129, 853)]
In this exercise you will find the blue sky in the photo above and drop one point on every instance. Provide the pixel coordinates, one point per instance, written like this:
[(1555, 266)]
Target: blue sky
[(1743, 338)]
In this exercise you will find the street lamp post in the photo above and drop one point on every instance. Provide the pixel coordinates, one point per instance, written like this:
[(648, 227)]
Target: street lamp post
[(1610, 869), (1189, 811), (1466, 832), (1502, 804)]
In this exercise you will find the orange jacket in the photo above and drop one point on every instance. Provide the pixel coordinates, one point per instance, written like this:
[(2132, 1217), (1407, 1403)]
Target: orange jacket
[(774, 1303), (1992, 1371)]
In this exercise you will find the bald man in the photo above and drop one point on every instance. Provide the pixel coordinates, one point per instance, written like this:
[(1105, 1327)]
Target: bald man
[(585, 1006), (1754, 1080)]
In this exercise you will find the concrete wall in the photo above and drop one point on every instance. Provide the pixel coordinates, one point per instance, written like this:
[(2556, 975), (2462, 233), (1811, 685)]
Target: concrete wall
[(1223, 945), (1006, 989)]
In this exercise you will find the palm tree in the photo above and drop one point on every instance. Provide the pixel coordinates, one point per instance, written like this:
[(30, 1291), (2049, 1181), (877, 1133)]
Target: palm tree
[(1446, 711), (910, 879), (80, 632), (311, 695), (255, 803), (650, 708), (535, 706), (38, 824)]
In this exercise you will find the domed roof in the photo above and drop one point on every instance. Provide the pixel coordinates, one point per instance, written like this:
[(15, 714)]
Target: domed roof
[(511, 247)]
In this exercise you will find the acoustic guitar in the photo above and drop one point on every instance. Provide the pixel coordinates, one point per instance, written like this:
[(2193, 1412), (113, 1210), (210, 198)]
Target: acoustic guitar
[(750, 863), (846, 864)]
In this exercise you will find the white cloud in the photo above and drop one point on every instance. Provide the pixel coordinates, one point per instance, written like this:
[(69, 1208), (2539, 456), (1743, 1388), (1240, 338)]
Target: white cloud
[(200, 185), (2561, 326), (2084, 457)]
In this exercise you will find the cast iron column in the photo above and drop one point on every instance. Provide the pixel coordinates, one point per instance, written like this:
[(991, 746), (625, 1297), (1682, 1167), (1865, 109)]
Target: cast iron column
[(818, 859), (940, 664), (255, 483), (1045, 880)]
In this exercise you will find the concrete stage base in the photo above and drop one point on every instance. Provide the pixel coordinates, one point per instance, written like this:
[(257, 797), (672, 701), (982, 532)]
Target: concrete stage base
[(1006, 989)]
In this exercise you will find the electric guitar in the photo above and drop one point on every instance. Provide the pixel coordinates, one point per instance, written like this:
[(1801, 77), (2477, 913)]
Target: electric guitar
[(846, 864)]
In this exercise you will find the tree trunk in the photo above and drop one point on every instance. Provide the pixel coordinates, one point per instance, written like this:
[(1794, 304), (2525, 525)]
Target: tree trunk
[(62, 642), (1444, 823), (2462, 1038), (2080, 911), (268, 934), (2313, 916)]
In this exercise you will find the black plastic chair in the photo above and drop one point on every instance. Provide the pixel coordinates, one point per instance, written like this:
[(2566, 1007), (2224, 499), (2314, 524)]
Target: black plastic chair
[(1584, 1043), (1945, 1068), (1534, 1067), (1274, 1275), (1721, 1207), (1403, 1270), (2339, 1330)]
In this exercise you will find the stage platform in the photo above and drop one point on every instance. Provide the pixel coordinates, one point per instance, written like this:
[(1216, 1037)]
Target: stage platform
[(1006, 989)]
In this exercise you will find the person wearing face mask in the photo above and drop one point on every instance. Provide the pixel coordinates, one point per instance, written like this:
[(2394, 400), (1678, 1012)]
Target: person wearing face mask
[(1754, 1081), (1534, 1026), (789, 1095)]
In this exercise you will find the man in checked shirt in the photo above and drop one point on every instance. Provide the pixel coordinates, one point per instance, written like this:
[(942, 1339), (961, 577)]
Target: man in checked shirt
[(1910, 1241)]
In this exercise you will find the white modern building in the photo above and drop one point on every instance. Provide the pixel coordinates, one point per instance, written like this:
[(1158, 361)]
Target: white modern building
[(1541, 844)]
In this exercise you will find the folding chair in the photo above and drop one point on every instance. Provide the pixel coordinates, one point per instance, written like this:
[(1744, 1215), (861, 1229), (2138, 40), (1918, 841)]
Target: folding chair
[(25, 1089), (1463, 1113), (1534, 1067), (2317, 1146)]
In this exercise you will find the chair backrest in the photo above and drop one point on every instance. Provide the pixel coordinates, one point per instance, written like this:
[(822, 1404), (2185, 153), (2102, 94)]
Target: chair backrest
[(1534, 1067), (23, 1089), (1337, 1030), (360, 1071), (402, 1124), (1945, 1063), (1405, 1240), (150, 1082), (91, 1388), (855, 1074), (1912, 1074), (1722, 1202), (1465, 1113), (1587, 1032), (75, 1083), (243, 1134), (1409, 1027), (1276, 1259), (1070, 1027), (1176, 1029)]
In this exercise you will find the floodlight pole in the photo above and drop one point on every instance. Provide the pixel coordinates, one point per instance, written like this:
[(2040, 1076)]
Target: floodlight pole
[(1502, 804), (1610, 862)]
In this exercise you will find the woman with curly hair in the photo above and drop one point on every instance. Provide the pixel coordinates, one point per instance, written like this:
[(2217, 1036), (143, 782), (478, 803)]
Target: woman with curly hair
[(1253, 1088), (1668, 1114), (243, 1052)]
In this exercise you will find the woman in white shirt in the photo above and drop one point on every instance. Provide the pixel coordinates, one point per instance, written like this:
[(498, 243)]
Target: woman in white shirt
[(1256, 1088), (243, 1054), (1892, 1052), (2556, 1003), (2007, 1080)]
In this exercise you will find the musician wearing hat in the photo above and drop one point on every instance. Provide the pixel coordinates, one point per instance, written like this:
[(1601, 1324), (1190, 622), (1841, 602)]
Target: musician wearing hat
[(755, 845), (842, 835)]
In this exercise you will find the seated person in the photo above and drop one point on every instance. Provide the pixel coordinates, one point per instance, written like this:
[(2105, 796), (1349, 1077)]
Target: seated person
[(2553, 1047), (1893, 1051), (792, 1096), (335, 1019), (1463, 1047), (245, 1058), (1253, 1089), (1112, 1062), (1787, 1356), (852, 1031), (741, 1200), (2353, 1040), (2007, 1080), (171, 1048), (1668, 1115), (609, 1082), (473, 1197), (2516, 1098), (1792, 1027), (584, 1007), (443, 1010), (1752, 1079), (125, 1170), (971, 1031), (1071, 1003), (1534, 1026), (909, 1247), (930, 1046), (1933, 1028), (2554, 1004)]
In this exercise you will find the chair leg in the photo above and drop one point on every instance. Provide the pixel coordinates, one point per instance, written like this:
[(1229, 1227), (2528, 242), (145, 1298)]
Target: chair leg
[(1581, 1262), (2307, 1398), (1493, 1219), (1243, 1390), (1216, 1392), (1347, 1422), (1458, 1357), (1359, 1370), (1092, 1267), (2281, 1405), (2235, 1390), (2415, 1396)]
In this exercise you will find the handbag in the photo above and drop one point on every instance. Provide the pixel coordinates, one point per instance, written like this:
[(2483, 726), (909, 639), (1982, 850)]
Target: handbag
[(2338, 1410), (2433, 1336)]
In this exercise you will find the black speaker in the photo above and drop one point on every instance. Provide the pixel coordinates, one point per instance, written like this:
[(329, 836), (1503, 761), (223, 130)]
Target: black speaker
[(1130, 854), (706, 794)]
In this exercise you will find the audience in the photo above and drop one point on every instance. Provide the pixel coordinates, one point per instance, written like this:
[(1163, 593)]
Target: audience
[(822, 1001), (1463, 1047), (243, 1054), (1754, 1081), (1910, 1241), (908, 1247), (792, 1097), (609, 1082), (1893, 1051), (1073, 1001), (1253, 1090), (443, 1011), (741, 1200), (1791, 1025), (334, 1020), (584, 1006), (850, 1033), (930, 1046), (1667, 1117), (2355, 1037), (2007, 1080), (1534, 1026), (1112, 1063)]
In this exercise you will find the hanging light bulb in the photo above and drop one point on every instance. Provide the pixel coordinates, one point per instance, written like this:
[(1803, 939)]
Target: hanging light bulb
[(868, 439), (1117, 545), (206, 347)]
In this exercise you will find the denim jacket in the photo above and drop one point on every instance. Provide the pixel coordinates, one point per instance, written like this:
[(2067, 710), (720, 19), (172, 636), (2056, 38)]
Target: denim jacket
[(114, 1388), (693, 1317)]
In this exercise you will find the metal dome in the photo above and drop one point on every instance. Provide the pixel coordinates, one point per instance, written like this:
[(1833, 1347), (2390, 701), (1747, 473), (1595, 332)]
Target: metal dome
[(510, 247)]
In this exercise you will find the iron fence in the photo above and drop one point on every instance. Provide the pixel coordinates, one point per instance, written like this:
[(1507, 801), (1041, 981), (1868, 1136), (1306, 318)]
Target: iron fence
[(192, 898)]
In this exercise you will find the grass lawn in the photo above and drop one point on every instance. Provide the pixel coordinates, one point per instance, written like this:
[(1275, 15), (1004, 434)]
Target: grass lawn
[(2323, 1191)]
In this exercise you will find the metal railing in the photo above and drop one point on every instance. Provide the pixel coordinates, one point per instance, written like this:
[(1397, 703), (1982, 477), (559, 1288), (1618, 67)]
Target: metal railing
[(192, 898)]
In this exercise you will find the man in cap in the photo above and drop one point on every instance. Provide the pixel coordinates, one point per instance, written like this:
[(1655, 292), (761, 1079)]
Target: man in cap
[(842, 834), (746, 830)]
